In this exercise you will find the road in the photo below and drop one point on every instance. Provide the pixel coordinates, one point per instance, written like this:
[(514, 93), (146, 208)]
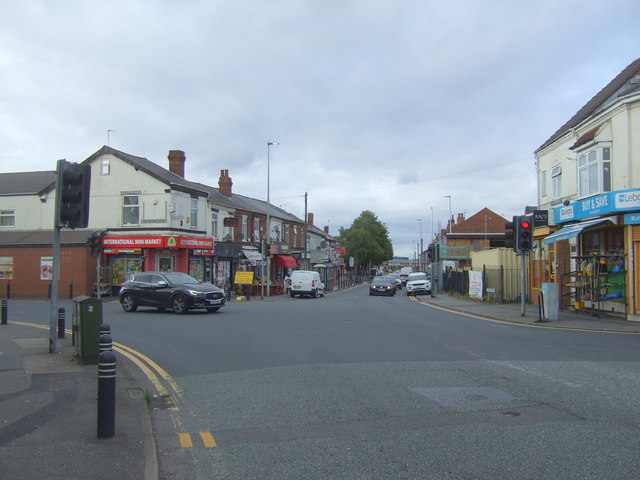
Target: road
[(357, 387)]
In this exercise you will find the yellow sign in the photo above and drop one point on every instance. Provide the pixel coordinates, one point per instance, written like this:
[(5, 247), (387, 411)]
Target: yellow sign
[(244, 278)]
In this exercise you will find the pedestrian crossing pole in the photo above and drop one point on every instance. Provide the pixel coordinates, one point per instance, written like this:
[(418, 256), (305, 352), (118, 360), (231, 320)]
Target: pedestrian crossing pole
[(523, 285)]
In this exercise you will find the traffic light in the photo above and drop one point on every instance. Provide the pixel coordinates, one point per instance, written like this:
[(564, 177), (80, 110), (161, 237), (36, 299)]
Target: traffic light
[(72, 195), (509, 233), (524, 234), (431, 253)]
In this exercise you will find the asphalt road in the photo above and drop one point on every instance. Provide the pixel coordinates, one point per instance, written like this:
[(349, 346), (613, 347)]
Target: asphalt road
[(357, 387)]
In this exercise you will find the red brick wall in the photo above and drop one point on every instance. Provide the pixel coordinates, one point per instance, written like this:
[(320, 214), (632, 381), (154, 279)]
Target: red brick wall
[(76, 264)]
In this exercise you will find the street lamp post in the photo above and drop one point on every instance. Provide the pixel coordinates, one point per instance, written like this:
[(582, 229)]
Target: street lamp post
[(420, 266), (449, 197), (268, 244)]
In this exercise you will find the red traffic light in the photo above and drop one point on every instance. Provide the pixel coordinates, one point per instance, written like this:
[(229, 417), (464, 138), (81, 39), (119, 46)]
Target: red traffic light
[(525, 224)]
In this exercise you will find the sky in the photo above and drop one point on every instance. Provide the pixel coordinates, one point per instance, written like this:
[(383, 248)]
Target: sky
[(412, 109)]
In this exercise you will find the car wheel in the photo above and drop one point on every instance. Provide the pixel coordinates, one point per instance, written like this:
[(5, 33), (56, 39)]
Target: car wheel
[(408, 293), (179, 304), (314, 294), (292, 294), (128, 303), (213, 309)]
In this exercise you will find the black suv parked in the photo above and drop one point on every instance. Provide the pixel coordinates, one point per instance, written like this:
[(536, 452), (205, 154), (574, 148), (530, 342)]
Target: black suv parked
[(169, 290)]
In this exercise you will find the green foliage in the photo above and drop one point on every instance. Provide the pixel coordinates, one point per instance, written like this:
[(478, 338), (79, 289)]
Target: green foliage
[(367, 240)]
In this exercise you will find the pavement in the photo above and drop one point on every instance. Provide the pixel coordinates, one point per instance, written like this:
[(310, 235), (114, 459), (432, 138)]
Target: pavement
[(48, 401)]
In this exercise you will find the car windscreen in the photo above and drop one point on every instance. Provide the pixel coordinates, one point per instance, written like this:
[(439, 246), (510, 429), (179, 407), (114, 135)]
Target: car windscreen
[(177, 277), (417, 276), (382, 280)]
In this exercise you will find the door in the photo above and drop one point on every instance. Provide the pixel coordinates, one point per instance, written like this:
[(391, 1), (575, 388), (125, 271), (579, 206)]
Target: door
[(165, 263)]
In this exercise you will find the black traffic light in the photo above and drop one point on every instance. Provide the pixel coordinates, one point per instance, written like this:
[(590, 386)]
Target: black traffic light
[(509, 233), (72, 195), (524, 234), (95, 242), (431, 253)]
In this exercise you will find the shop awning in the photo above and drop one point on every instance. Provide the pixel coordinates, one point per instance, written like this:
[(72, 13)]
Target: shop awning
[(252, 254), (571, 231), (285, 261)]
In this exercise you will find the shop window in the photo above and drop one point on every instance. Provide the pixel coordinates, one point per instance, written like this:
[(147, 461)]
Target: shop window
[(256, 229), (130, 210), (543, 184)]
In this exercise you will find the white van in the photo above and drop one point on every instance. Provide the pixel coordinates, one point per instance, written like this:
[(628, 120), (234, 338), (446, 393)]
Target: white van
[(306, 282)]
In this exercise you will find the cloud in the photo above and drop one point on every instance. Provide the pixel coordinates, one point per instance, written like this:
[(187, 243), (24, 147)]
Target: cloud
[(384, 106)]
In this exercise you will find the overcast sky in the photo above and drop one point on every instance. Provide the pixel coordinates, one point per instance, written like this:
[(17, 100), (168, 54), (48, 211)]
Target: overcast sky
[(381, 105)]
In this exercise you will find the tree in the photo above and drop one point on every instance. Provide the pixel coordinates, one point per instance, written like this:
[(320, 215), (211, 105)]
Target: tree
[(367, 241)]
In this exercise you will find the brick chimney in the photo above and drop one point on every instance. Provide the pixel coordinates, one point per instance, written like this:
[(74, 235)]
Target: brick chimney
[(176, 162), (460, 218), (225, 183), (309, 218)]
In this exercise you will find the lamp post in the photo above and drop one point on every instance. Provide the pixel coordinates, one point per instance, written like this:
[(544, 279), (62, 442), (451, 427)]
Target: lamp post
[(421, 246), (449, 197), (431, 239), (268, 245)]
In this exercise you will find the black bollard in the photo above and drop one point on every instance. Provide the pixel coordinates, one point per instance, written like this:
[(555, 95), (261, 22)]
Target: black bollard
[(105, 329), (105, 344), (61, 321), (4, 312), (8, 288), (106, 394)]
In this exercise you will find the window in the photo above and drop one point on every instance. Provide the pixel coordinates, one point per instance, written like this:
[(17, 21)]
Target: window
[(543, 184), (7, 218), (214, 223), (105, 167), (130, 210), (244, 227), (256, 229), (556, 181), (594, 171), (285, 239), (194, 213)]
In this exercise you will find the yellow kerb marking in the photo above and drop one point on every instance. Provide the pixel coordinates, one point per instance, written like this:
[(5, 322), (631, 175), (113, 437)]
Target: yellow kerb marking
[(208, 440), (185, 440)]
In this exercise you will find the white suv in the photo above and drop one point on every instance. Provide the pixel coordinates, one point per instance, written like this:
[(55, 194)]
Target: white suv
[(418, 282)]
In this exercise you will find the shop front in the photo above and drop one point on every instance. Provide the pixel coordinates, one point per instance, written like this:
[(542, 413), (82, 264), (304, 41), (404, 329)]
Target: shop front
[(602, 234), (124, 255)]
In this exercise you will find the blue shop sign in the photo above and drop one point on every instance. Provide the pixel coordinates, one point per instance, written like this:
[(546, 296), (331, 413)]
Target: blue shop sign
[(632, 219), (603, 204)]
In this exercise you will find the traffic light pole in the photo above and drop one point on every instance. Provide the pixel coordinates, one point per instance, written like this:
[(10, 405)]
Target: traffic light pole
[(523, 285)]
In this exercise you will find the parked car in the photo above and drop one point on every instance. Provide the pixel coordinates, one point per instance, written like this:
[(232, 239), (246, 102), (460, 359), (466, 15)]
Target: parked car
[(306, 282), (383, 285), (169, 290), (418, 282)]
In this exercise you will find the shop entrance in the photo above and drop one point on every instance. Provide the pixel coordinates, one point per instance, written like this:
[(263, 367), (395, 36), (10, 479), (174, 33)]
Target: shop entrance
[(165, 263)]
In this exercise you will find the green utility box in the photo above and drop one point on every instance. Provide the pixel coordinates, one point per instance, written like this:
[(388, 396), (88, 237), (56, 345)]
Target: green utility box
[(86, 320)]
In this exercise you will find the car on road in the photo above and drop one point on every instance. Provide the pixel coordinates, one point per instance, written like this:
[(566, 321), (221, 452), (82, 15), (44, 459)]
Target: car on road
[(306, 282), (398, 280), (417, 283), (383, 285), (169, 290)]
